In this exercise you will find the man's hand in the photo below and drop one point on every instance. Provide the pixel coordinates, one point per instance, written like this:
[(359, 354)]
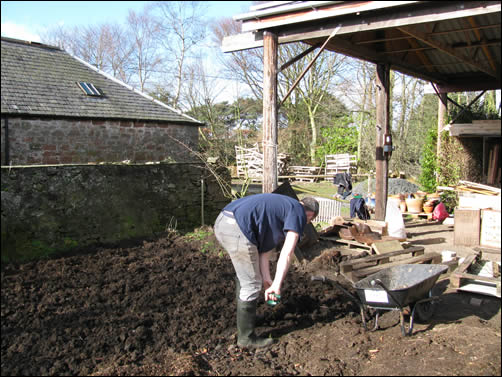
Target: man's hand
[(270, 291)]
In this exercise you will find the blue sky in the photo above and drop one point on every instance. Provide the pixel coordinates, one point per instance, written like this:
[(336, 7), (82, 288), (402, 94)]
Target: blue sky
[(28, 19)]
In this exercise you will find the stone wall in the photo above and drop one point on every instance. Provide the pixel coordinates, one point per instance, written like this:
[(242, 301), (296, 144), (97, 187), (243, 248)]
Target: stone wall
[(72, 141), (54, 209)]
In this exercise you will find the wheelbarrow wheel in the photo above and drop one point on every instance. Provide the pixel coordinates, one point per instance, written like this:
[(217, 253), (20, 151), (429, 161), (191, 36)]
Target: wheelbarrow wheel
[(424, 311)]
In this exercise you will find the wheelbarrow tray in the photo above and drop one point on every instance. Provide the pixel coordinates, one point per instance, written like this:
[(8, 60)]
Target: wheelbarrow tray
[(406, 284)]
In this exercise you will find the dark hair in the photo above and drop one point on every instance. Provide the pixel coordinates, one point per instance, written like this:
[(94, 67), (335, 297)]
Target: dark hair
[(311, 204)]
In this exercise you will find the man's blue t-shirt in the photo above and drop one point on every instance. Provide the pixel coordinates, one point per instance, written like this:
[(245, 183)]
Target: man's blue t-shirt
[(266, 218)]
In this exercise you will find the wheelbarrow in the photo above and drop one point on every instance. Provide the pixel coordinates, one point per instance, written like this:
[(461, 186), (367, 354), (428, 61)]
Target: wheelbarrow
[(396, 288)]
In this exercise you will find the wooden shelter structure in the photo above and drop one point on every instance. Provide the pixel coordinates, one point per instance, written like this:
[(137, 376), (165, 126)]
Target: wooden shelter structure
[(455, 45)]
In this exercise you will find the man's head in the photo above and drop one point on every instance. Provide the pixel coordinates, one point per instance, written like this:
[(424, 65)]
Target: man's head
[(311, 207)]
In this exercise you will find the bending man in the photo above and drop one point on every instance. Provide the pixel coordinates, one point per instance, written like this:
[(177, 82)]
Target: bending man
[(249, 229)]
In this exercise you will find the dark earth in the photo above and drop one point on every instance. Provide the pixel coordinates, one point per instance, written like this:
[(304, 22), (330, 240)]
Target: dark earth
[(166, 307)]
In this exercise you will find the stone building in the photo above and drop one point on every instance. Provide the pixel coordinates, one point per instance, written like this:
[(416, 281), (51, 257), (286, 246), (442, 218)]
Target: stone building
[(66, 128), (58, 109)]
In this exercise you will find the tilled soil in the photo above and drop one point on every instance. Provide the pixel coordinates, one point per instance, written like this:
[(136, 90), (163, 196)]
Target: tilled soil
[(167, 308)]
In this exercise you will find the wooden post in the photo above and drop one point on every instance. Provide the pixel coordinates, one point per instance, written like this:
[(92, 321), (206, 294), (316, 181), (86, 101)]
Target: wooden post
[(270, 47), (442, 108), (382, 128)]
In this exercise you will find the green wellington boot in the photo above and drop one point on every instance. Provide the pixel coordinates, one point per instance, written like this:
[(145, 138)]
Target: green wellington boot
[(246, 318), (259, 317)]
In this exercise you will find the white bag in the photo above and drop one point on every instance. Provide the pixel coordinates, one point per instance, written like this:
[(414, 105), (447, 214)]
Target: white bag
[(394, 220)]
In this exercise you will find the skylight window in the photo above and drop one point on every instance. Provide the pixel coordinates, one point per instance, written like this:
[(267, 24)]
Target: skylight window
[(89, 89)]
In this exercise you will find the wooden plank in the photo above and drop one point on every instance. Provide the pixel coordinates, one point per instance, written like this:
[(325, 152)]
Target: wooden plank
[(496, 270), (443, 11), (481, 186), (479, 191), (433, 258), (496, 122), (490, 166), (494, 164), (305, 173), (375, 226), (475, 277), (462, 268), (383, 247), (467, 226), (489, 250), (251, 23), (350, 243), (458, 129), (347, 268), (415, 250), (490, 228), (463, 279)]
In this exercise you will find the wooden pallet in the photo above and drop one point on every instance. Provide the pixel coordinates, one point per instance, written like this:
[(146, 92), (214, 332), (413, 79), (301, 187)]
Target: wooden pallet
[(337, 163), (357, 269), (385, 245), (462, 274), (305, 173)]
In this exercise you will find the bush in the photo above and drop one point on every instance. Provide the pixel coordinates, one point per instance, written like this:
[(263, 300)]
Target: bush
[(450, 200), (428, 162)]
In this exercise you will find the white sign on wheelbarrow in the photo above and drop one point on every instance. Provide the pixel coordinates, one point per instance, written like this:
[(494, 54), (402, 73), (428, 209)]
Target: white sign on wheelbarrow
[(373, 295)]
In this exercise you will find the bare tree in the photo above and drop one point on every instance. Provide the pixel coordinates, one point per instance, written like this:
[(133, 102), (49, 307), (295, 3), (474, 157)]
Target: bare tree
[(409, 128), (61, 37), (120, 53), (105, 46), (247, 67), (201, 99), (146, 53), (243, 66), (200, 89), (359, 93), (314, 86), (181, 31), (91, 45)]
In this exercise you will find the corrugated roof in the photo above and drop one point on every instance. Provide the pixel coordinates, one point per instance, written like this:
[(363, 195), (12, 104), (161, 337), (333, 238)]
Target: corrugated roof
[(41, 80), (455, 44)]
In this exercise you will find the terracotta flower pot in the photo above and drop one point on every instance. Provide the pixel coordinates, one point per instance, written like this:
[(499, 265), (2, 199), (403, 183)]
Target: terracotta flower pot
[(414, 205), (428, 209)]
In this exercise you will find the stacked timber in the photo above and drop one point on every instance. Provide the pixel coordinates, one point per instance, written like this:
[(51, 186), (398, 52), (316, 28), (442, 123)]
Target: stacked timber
[(477, 216), (250, 162)]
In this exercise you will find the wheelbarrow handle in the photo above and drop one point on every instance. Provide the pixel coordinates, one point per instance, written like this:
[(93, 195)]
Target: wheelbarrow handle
[(338, 285), (381, 284)]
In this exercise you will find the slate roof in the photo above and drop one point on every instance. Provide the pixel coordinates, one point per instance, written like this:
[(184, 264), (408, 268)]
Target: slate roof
[(42, 80)]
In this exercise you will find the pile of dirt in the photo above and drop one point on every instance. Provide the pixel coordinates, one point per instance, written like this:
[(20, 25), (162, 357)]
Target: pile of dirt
[(167, 308)]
